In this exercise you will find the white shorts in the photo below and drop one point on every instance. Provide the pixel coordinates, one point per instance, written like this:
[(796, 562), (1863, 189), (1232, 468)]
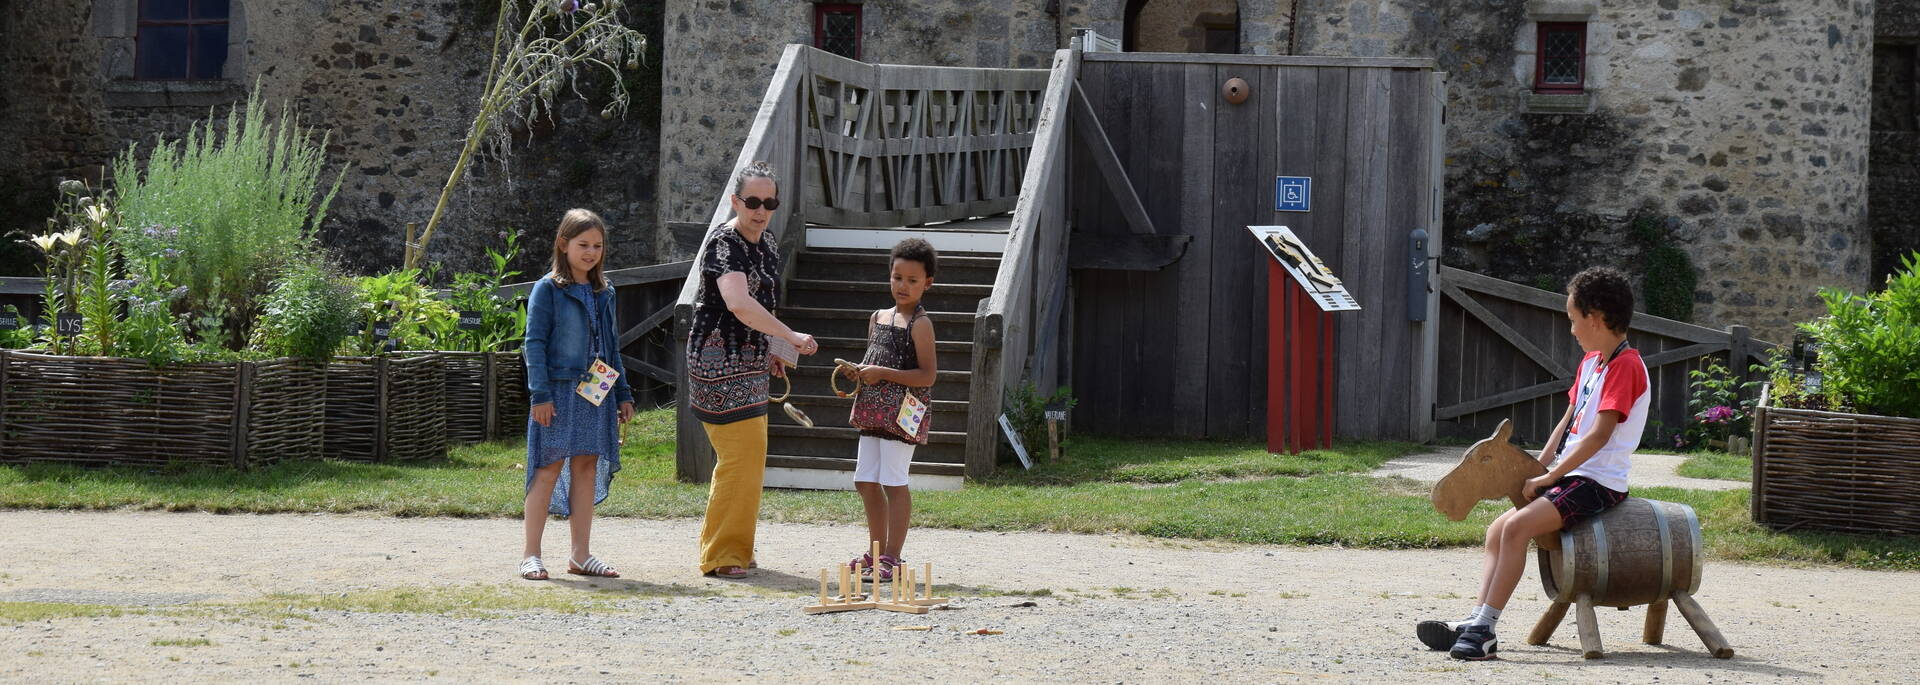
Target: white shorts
[(882, 461)]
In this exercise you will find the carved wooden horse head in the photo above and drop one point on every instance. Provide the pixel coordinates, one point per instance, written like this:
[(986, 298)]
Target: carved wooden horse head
[(1492, 468)]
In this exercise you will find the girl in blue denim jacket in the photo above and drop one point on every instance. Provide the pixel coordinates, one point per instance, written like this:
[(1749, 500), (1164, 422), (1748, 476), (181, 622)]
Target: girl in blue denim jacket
[(570, 327)]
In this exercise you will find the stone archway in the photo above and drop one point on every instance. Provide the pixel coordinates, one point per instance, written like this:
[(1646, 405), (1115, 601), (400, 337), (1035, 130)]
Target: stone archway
[(1182, 26)]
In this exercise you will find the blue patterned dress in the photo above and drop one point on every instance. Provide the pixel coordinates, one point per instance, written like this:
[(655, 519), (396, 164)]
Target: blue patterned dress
[(579, 428)]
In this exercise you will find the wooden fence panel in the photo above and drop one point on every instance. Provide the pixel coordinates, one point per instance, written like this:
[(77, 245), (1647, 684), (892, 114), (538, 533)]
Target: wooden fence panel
[(1506, 352)]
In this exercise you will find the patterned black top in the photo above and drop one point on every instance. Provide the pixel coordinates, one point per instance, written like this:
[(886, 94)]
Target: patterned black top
[(892, 347), (726, 359)]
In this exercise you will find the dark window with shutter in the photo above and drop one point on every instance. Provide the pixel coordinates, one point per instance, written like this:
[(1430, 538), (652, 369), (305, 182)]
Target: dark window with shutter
[(836, 29), (181, 40), (1560, 60)]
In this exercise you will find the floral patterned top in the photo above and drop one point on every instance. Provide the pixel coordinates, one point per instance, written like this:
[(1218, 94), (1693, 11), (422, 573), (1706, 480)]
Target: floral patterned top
[(726, 359)]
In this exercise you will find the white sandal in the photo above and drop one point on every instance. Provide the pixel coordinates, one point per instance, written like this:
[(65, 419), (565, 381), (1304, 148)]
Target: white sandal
[(533, 566), (593, 567)]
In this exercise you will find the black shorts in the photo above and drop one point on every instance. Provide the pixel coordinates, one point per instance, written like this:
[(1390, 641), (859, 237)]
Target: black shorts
[(1579, 497)]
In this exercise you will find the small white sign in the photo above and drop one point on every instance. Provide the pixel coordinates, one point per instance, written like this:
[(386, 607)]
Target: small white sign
[(1321, 285), (1014, 439)]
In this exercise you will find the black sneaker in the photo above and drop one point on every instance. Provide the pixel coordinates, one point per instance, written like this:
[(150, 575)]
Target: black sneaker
[(1439, 636), (1476, 643)]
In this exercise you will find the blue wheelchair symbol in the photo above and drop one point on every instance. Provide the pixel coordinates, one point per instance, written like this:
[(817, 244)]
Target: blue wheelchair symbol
[(1293, 194)]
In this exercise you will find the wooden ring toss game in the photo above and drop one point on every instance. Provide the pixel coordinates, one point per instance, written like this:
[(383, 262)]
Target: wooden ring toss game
[(906, 593)]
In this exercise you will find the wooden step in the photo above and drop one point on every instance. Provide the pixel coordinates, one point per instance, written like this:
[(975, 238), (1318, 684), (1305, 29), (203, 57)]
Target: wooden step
[(876, 266), (829, 473), (814, 378), (950, 354), (852, 323), (846, 464), (947, 447), (876, 294), (831, 411), (956, 239)]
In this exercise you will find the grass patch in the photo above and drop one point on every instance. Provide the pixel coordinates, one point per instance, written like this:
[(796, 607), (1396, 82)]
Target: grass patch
[(1171, 461), (1719, 466), (189, 642), (1224, 491), (28, 612), (470, 601)]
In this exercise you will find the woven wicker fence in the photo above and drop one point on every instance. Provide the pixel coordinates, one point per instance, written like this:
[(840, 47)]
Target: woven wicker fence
[(510, 395), (101, 411), (387, 408), (479, 387), (1835, 471)]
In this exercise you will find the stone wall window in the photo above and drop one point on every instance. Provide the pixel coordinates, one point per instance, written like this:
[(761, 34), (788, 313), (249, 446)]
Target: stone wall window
[(171, 53), (1560, 65), (836, 29), (181, 40)]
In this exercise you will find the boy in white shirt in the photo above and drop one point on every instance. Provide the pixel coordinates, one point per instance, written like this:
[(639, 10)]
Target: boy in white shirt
[(1607, 412)]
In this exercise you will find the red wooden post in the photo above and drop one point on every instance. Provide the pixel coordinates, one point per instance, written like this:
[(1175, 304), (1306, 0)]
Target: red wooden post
[(1299, 367)]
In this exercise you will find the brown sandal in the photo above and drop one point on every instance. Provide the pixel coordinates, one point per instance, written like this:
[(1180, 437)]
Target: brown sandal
[(728, 572)]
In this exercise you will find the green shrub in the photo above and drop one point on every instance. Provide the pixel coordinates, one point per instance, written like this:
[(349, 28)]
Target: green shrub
[(244, 197), (1719, 406), (309, 313), (1027, 411), (503, 323), (419, 320), (1870, 345), (16, 338)]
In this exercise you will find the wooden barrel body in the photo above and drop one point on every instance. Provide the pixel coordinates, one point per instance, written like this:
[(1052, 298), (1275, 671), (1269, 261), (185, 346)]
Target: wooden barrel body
[(1640, 552)]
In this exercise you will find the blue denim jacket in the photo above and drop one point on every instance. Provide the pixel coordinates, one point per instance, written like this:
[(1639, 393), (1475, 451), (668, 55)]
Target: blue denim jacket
[(556, 346)]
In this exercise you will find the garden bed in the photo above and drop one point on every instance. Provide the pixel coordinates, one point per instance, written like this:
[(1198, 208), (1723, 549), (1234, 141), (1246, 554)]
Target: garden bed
[(486, 395), (1835, 471), (101, 411), (386, 408)]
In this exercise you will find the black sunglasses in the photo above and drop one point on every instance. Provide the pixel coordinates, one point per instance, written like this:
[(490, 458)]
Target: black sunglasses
[(770, 204)]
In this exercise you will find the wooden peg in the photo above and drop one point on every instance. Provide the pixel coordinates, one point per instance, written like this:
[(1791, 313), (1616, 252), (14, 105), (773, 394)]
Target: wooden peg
[(910, 589), (844, 595), (928, 579), (823, 586)]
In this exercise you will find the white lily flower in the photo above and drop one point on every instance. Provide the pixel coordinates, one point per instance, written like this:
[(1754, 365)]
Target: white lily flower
[(71, 237), (46, 242)]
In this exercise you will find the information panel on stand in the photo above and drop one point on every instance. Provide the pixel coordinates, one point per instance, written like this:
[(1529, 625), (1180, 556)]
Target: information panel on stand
[(1307, 270)]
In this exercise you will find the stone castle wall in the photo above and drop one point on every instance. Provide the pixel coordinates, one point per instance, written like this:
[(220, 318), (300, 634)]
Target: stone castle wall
[(396, 86)]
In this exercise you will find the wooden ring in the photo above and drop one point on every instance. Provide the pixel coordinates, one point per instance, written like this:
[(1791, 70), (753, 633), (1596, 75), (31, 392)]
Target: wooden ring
[(850, 369)]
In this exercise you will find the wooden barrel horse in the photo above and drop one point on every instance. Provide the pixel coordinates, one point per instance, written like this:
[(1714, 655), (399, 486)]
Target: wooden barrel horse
[(1640, 552)]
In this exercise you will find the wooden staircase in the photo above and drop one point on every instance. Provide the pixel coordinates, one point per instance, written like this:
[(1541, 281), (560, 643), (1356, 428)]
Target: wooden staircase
[(972, 160), (831, 293)]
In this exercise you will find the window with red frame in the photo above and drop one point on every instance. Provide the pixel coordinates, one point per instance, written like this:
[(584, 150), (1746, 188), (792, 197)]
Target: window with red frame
[(1560, 61), (836, 29), (181, 40)]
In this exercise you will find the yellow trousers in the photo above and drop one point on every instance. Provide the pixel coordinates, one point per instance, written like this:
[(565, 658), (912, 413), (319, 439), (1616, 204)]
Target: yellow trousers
[(733, 498)]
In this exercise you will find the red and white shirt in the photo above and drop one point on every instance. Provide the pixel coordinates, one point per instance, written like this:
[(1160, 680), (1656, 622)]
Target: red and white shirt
[(1621, 387)]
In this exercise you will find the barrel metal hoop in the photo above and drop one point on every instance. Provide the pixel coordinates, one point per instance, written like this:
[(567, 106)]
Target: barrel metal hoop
[(1599, 558), (1666, 550), (1693, 527)]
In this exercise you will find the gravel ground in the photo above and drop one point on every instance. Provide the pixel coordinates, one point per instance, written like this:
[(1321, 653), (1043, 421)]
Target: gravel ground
[(1117, 609), (1649, 470)]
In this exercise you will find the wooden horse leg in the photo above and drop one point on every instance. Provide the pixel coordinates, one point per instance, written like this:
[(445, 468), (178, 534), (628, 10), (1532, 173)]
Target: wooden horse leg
[(1697, 617), (1589, 628), (1656, 627), (1549, 622)]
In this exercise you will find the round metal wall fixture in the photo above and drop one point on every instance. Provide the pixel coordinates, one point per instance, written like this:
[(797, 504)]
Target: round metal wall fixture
[(1235, 90)]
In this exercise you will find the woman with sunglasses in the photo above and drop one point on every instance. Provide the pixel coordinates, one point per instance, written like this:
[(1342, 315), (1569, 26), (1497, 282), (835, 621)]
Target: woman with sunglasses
[(728, 365)]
